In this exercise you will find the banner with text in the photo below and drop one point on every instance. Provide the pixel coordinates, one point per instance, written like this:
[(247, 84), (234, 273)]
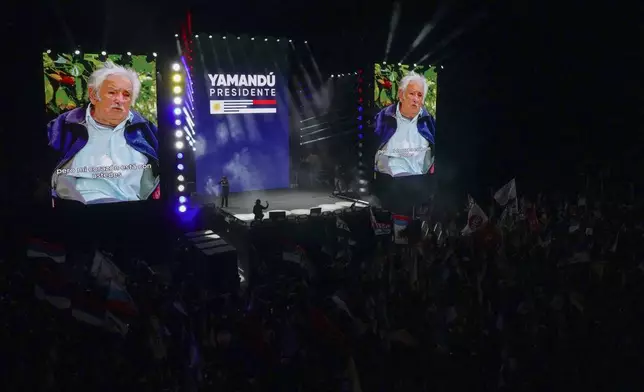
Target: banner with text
[(244, 131)]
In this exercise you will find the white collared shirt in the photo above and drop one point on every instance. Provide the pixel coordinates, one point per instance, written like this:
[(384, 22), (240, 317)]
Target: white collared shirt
[(407, 153), (121, 166)]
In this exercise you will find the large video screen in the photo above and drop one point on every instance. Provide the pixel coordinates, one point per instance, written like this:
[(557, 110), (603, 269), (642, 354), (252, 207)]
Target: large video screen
[(405, 125), (242, 113), (102, 127)]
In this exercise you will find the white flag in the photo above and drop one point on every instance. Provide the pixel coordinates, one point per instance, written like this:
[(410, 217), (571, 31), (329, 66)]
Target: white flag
[(342, 225), (506, 193), (476, 218)]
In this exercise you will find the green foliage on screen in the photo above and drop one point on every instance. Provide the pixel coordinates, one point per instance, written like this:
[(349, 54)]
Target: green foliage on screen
[(388, 77), (66, 78)]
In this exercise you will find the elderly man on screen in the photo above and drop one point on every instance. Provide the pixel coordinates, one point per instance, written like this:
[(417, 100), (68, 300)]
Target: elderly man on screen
[(404, 135), (105, 151)]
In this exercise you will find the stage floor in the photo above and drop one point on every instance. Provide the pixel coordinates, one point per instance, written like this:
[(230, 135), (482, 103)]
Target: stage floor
[(292, 201)]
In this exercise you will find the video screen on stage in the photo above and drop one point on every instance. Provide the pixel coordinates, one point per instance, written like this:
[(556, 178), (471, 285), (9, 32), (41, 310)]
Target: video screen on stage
[(241, 96), (405, 97), (102, 127)]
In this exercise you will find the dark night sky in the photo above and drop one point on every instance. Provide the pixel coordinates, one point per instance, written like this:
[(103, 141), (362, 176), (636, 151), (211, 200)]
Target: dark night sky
[(529, 90)]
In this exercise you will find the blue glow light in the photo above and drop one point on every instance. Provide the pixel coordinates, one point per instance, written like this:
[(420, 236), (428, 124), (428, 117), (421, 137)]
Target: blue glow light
[(180, 155), (182, 208), (359, 118), (182, 199), (359, 136), (360, 108), (360, 127), (180, 166), (177, 111)]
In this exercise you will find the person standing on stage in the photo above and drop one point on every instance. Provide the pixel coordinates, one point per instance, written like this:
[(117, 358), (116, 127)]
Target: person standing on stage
[(258, 209), (225, 190), (404, 142)]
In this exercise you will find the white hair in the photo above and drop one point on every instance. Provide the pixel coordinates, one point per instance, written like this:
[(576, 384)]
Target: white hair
[(413, 77), (97, 78)]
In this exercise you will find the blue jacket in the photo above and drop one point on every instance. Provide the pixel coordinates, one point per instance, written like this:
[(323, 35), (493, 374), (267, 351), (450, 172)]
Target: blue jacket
[(386, 125), (68, 134)]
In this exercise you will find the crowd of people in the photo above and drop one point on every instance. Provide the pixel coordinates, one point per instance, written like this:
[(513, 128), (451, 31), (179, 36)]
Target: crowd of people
[(544, 298)]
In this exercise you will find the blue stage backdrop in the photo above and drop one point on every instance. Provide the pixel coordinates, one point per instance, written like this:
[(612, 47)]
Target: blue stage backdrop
[(241, 98)]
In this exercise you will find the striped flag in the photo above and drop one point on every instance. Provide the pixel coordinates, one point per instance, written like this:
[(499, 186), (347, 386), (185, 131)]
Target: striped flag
[(243, 106), (400, 223), (38, 248)]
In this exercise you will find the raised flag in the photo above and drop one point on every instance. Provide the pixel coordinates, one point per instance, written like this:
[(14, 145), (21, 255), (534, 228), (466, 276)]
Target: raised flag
[(243, 106), (400, 223), (507, 193), (379, 228), (476, 218), (38, 248)]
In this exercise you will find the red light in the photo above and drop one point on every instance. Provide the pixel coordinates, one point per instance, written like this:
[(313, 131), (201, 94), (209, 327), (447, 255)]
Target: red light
[(360, 90), (360, 80), (360, 72), (360, 100)]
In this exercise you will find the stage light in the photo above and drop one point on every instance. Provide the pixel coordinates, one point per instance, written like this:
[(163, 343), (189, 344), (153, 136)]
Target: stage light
[(363, 190), (178, 133), (177, 122), (238, 37), (176, 78), (210, 36), (265, 39), (360, 108), (77, 52), (179, 155), (278, 40), (129, 53), (49, 50), (180, 166), (154, 54), (360, 126), (182, 199), (290, 40), (363, 182), (306, 42), (179, 145), (176, 35), (355, 73), (182, 208), (359, 153), (359, 118), (177, 100), (384, 62), (415, 65), (252, 38), (177, 89), (180, 178), (224, 37), (177, 111), (176, 67), (359, 136), (181, 188), (333, 76), (360, 145), (196, 35), (360, 71), (442, 67), (399, 64), (194, 148)]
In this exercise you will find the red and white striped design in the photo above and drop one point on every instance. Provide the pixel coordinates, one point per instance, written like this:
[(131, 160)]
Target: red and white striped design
[(243, 106)]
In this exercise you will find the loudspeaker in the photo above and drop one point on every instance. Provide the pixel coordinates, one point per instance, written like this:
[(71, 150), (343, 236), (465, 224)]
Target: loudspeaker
[(277, 216), (213, 260)]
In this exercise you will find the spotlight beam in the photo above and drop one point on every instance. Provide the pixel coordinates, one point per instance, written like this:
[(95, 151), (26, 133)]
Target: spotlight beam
[(393, 23), (467, 26)]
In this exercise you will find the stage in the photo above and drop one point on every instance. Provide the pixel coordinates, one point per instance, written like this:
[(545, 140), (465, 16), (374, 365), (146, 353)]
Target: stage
[(292, 201)]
